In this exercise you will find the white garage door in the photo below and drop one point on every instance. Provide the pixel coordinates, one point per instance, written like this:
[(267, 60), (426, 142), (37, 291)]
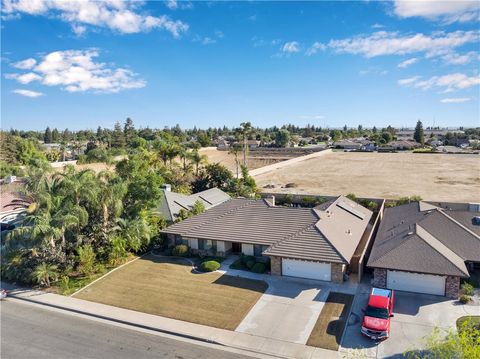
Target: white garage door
[(416, 282), (310, 270)]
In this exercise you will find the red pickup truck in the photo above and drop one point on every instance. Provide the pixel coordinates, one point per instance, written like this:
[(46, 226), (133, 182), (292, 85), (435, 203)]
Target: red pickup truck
[(376, 322)]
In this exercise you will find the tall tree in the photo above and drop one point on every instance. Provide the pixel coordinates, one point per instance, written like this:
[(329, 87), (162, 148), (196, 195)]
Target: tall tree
[(55, 135), (418, 134), (47, 137), (118, 137), (246, 130), (129, 131)]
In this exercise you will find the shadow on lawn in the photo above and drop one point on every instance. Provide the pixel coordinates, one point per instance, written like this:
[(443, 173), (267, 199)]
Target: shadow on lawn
[(168, 260), (242, 283)]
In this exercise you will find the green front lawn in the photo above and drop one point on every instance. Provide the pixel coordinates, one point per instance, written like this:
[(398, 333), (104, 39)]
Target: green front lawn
[(331, 322), (167, 287)]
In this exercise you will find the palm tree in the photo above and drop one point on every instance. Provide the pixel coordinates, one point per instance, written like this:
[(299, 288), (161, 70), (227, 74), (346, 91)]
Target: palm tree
[(246, 130), (45, 273), (197, 160), (184, 156), (79, 187), (110, 196), (235, 150), (136, 232)]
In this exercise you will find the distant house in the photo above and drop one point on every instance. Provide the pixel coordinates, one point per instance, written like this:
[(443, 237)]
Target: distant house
[(407, 135), (347, 145), (403, 145), (315, 243), (368, 145), (223, 145), (253, 144), (425, 249), (173, 202), (12, 200)]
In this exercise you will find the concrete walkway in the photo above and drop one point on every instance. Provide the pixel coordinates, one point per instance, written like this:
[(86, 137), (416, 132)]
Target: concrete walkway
[(276, 166), (258, 345)]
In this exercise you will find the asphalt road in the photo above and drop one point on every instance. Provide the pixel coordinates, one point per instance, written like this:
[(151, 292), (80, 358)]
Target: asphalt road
[(33, 332)]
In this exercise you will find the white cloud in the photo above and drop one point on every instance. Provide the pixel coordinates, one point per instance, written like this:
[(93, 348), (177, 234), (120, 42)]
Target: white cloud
[(208, 41), (76, 71), (27, 93), (408, 81), (117, 15), (447, 11), (406, 63), (253, 17), (449, 83), (172, 4), (25, 64), (291, 47), (458, 59), (219, 34), (455, 100), (377, 26), (392, 43), (312, 50)]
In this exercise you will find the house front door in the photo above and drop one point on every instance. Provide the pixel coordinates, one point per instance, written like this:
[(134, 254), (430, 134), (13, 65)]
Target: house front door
[(236, 247)]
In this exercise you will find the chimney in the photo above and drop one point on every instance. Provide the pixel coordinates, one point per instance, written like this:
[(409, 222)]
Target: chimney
[(271, 200)]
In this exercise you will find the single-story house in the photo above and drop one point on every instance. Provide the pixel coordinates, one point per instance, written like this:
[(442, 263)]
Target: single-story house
[(173, 202), (223, 145), (347, 145), (314, 243), (403, 145), (425, 249)]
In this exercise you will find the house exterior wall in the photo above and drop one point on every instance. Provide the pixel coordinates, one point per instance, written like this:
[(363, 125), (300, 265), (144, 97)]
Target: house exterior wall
[(193, 243), (379, 277), (223, 248), (452, 287), (337, 272), (275, 265), (247, 249)]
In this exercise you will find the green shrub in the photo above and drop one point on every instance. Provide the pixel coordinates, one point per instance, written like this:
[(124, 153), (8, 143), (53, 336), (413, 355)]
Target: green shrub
[(467, 289), (259, 268), (86, 260), (245, 259), (210, 266), (238, 264), (180, 250), (465, 299), (250, 264)]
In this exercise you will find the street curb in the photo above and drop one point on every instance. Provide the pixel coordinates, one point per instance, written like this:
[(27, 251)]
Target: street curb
[(120, 321)]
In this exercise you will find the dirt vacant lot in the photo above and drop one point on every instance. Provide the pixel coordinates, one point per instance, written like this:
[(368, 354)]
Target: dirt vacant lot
[(228, 160), (441, 177), (167, 287)]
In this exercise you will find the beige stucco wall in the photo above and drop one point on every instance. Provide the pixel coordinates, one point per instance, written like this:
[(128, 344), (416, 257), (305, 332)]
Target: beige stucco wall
[(193, 243), (337, 272), (247, 249), (275, 265)]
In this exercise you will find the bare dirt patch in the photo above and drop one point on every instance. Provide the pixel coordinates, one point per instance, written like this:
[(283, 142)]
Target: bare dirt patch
[(442, 177), (228, 160)]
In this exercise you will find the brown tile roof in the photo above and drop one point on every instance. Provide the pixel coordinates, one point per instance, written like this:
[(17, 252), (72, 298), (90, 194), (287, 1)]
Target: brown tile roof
[(11, 197), (293, 232), (427, 241)]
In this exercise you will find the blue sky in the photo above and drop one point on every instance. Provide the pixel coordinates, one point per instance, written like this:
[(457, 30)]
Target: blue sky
[(87, 64)]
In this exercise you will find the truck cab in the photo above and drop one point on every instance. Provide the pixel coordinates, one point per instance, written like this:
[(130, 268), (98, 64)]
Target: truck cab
[(376, 321)]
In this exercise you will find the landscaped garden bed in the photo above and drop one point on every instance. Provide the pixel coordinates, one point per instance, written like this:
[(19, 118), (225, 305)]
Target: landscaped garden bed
[(252, 264)]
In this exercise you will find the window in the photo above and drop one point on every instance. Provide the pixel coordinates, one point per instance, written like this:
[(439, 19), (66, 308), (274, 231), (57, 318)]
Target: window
[(180, 240), (258, 250), (207, 244)]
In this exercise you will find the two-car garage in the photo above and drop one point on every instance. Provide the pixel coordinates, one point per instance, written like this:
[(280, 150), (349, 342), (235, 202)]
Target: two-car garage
[(416, 282), (306, 269)]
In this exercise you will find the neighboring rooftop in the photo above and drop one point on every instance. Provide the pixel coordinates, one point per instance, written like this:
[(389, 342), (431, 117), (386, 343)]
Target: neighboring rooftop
[(173, 202), (421, 238), (12, 197), (330, 235)]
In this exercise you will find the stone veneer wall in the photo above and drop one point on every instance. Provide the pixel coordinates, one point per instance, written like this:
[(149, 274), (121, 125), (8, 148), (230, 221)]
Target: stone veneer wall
[(379, 277), (275, 265), (337, 272), (452, 286)]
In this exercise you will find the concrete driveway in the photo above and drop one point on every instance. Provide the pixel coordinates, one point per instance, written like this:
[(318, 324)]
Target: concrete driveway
[(416, 315), (286, 312)]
